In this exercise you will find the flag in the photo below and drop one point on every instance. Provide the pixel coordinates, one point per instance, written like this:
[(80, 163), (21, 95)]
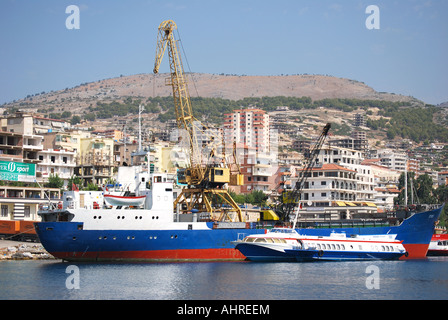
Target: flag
[(74, 187)]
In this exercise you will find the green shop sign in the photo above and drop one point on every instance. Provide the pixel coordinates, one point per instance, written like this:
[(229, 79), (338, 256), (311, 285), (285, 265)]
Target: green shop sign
[(17, 171)]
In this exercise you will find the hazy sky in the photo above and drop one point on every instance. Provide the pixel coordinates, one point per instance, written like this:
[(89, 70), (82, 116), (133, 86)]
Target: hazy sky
[(407, 55)]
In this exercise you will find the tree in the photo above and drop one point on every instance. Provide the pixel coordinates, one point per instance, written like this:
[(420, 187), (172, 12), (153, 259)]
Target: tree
[(425, 190), (54, 181), (75, 120), (74, 180)]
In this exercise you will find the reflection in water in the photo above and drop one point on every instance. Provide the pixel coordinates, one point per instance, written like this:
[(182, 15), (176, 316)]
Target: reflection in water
[(421, 279)]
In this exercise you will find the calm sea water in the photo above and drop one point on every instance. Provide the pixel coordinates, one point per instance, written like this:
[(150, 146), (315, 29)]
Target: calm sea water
[(416, 279)]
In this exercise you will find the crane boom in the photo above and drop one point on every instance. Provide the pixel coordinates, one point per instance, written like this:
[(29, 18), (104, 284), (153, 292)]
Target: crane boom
[(205, 180), (293, 200), (182, 103)]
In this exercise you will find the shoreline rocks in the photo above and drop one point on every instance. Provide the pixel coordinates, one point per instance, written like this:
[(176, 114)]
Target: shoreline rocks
[(23, 251)]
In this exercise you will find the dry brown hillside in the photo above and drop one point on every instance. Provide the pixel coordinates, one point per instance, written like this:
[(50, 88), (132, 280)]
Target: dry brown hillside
[(205, 85)]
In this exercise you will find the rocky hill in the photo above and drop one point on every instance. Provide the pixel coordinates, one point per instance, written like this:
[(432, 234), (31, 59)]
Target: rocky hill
[(232, 87)]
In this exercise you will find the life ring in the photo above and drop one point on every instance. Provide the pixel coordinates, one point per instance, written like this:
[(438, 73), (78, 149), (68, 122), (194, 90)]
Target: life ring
[(406, 254), (60, 205), (320, 253)]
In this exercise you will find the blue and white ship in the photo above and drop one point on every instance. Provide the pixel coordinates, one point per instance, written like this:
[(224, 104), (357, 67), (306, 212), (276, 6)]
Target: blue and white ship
[(288, 245)]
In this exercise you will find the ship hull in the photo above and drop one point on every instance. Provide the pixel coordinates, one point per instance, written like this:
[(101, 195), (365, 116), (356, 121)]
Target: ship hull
[(69, 240), (314, 255), (65, 241)]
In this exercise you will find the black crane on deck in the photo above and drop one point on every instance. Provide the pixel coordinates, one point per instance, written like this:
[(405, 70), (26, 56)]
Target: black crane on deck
[(292, 199)]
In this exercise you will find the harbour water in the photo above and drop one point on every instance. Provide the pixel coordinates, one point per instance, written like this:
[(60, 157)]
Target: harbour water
[(374, 280)]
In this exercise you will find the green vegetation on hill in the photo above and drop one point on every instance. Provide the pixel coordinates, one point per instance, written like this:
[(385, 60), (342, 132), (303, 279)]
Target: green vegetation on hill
[(398, 119)]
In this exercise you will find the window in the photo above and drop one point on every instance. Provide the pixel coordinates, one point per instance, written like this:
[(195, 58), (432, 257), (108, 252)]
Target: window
[(4, 212), (27, 211)]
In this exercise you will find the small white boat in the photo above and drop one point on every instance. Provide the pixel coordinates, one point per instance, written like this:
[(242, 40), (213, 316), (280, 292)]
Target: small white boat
[(124, 200), (287, 245)]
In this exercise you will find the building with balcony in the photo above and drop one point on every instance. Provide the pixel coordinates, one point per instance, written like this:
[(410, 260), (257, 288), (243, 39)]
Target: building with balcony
[(331, 192), (56, 162), (22, 203), (393, 160)]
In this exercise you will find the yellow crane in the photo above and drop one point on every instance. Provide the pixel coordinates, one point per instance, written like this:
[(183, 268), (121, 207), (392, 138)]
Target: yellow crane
[(205, 178)]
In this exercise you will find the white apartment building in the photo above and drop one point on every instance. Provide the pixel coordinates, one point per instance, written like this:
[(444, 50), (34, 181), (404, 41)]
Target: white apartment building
[(352, 159), (331, 192), (393, 160), (248, 126), (60, 162)]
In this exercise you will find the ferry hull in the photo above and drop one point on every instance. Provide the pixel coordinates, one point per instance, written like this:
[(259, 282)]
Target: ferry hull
[(415, 232), (67, 241), (70, 241), (307, 255), (261, 253)]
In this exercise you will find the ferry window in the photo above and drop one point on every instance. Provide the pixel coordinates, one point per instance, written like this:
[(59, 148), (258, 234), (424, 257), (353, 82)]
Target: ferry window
[(360, 247), (342, 247), (333, 247), (260, 240), (338, 247), (382, 248), (249, 240), (318, 246), (439, 243), (269, 240)]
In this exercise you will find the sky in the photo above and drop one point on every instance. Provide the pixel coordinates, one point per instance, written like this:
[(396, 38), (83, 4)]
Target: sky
[(407, 55)]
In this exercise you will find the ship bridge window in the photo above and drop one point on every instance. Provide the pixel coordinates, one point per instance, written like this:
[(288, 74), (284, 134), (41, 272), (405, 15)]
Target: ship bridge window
[(249, 240), (260, 240)]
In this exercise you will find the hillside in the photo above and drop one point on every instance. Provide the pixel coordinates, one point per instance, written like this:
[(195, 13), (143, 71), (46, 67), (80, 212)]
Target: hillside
[(232, 87)]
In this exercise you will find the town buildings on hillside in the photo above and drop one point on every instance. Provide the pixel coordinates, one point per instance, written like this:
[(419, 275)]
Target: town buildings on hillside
[(347, 180)]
